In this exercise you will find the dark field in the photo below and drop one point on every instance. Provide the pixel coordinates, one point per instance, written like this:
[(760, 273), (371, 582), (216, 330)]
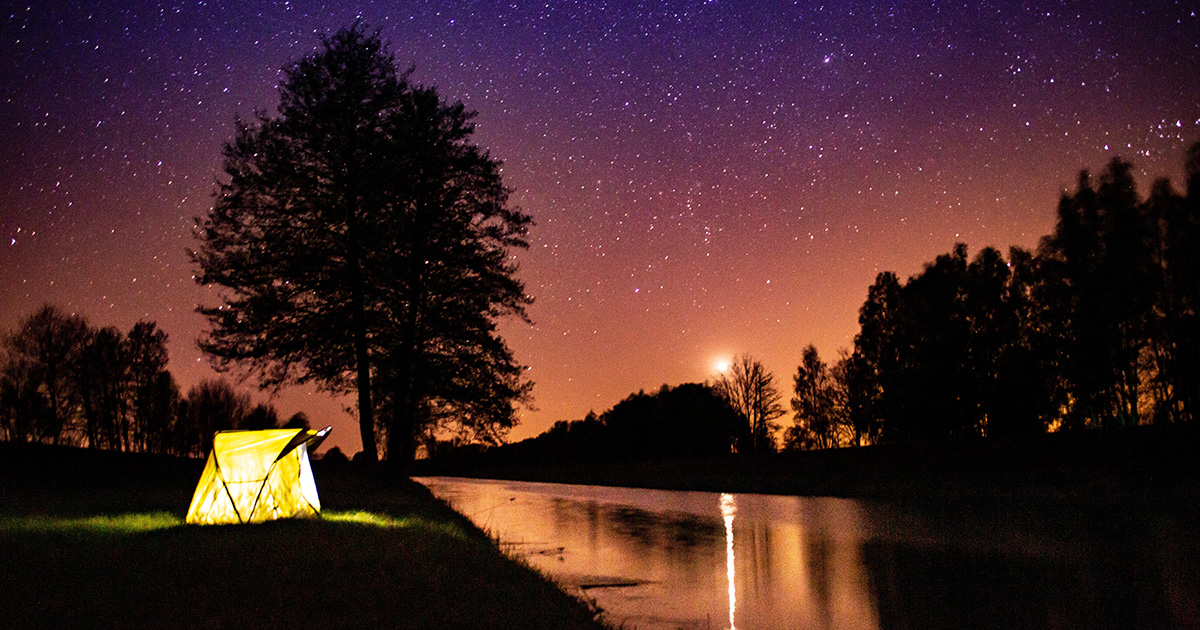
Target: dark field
[(92, 539)]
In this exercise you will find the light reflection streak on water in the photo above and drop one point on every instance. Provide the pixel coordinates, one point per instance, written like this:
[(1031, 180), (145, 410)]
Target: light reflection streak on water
[(728, 511)]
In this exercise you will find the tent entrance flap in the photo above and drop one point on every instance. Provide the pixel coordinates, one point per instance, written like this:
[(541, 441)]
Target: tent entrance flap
[(312, 439), (255, 476)]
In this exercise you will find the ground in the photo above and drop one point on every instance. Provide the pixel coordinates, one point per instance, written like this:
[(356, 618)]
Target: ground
[(93, 539)]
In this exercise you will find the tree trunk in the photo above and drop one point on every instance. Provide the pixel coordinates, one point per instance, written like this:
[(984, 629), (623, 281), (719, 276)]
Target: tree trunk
[(401, 437), (366, 409), (403, 428), (362, 352)]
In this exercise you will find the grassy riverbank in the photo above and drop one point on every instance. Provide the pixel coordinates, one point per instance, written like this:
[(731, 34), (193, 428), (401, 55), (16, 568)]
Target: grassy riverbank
[(97, 540), (1145, 465)]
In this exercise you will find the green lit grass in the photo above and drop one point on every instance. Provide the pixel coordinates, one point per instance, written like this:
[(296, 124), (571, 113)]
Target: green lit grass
[(116, 524), (133, 523), (111, 550), (376, 519)]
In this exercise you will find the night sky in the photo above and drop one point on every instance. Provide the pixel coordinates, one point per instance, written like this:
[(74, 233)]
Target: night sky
[(707, 178)]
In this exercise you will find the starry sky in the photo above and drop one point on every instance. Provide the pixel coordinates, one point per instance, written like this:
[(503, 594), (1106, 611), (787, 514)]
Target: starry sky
[(708, 177)]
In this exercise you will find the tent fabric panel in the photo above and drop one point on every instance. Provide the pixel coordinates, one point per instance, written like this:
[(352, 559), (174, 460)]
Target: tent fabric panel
[(282, 494), (211, 504), (246, 456), (308, 485), (308, 437)]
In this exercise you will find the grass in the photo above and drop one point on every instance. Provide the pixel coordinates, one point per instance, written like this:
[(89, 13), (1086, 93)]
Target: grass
[(106, 546)]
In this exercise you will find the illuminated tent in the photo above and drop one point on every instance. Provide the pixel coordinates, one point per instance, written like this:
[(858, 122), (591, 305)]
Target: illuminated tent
[(255, 476)]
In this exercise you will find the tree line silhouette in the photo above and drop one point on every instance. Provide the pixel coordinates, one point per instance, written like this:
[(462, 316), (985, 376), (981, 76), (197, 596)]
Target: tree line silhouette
[(64, 381), (1097, 328), (688, 421)]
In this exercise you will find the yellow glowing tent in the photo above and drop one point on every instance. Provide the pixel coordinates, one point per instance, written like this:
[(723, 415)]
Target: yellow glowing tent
[(255, 476)]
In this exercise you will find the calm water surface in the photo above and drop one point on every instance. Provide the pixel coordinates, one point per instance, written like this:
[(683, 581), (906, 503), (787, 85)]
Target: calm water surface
[(667, 559)]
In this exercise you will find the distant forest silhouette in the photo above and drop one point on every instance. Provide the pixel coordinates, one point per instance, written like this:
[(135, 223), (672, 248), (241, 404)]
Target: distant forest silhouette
[(1099, 328), (66, 382)]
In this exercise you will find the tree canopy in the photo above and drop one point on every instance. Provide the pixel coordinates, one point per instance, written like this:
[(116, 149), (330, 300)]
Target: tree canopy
[(683, 422), (749, 388), (362, 242)]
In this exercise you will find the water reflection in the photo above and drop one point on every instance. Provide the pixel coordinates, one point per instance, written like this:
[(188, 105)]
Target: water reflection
[(683, 559), (728, 511), (658, 559)]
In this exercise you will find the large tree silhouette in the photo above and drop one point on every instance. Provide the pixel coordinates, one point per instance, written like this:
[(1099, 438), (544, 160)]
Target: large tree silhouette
[(39, 394), (154, 393), (100, 375), (750, 389), (363, 243), (874, 366), (1177, 321), (817, 405), (1100, 258)]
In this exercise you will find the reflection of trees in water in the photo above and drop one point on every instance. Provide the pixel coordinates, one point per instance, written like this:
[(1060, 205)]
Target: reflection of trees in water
[(819, 559), (803, 562), (752, 541), (678, 534), (595, 519), (573, 515), (920, 587), (1002, 564), (822, 555), (1111, 582), (688, 531), (639, 526), (565, 513)]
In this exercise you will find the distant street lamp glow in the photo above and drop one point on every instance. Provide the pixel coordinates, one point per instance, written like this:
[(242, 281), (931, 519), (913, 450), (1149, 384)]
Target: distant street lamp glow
[(721, 365)]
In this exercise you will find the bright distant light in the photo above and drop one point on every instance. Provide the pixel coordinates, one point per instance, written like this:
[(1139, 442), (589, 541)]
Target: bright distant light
[(721, 365)]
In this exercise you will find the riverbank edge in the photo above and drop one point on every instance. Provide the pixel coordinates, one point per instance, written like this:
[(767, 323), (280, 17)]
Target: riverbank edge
[(69, 485), (1154, 467)]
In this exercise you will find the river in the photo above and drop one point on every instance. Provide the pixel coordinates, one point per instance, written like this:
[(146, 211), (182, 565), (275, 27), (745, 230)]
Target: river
[(668, 559)]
